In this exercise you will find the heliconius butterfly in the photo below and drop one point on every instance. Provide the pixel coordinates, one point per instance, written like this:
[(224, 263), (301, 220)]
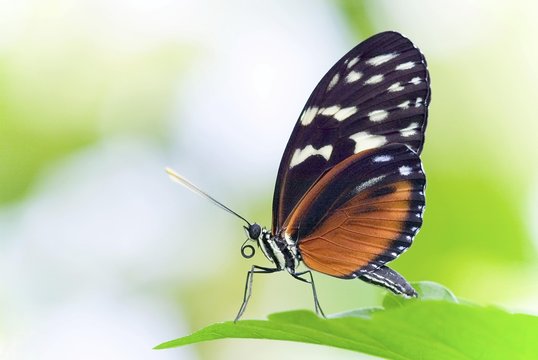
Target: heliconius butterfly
[(349, 194)]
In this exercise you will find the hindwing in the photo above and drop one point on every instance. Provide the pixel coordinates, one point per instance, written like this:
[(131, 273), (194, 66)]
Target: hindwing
[(362, 213)]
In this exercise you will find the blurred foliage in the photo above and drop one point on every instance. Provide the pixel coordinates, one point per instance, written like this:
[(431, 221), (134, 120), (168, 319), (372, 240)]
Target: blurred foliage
[(358, 16), (29, 151), (71, 98), (468, 223), (404, 330)]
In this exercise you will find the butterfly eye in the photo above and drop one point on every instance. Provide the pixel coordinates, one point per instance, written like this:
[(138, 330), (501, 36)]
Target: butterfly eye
[(254, 231)]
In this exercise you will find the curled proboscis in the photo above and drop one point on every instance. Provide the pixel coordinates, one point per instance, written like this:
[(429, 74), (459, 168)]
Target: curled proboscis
[(247, 250)]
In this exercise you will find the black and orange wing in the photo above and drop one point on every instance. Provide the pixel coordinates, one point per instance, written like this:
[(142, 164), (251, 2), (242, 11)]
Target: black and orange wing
[(362, 214)]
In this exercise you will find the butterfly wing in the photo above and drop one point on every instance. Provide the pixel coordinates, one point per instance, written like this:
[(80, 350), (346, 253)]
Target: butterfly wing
[(377, 94), (361, 214)]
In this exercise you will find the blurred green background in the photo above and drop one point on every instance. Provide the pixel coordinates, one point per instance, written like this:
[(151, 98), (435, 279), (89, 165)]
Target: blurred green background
[(101, 256)]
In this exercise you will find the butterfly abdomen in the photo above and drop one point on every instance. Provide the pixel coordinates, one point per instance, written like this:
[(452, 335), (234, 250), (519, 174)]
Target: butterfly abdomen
[(390, 279)]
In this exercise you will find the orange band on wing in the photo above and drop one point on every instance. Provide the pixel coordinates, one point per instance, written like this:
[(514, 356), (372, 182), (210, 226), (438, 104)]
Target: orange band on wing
[(359, 231)]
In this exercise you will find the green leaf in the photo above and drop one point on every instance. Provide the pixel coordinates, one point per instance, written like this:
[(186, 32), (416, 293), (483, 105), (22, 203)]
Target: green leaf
[(434, 327), (427, 290), (365, 313)]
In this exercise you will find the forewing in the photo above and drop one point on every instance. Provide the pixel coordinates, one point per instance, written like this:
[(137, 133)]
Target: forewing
[(377, 94), (362, 213)]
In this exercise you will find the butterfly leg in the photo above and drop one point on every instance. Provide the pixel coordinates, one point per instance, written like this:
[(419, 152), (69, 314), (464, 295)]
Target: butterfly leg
[(317, 306), (248, 285)]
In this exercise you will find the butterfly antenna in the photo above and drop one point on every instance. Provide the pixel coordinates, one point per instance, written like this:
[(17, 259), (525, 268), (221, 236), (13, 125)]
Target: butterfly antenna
[(181, 180)]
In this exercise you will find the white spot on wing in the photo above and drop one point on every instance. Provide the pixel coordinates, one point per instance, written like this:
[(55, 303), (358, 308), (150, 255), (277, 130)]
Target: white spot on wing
[(418, 102), (333, 81), (301, 155), (395, 87), (409, 130), (381, 59), (378, 115), (308, 115), (374, 79), (404, 105), (352, 62), (344, 113), (415, 80), (368, 183), (364, 140), (353, 76), (382, 158), (330, 111), (404, 170), (406, 66)]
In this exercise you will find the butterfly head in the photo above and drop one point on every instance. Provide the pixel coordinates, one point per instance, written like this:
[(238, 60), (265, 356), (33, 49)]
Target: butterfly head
[(254, 232)]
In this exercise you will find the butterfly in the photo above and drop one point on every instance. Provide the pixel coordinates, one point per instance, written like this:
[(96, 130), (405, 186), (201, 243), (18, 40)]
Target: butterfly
[(349, 194)]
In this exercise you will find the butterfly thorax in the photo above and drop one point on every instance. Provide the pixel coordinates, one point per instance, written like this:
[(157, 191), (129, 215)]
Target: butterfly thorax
[(280, 250)]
